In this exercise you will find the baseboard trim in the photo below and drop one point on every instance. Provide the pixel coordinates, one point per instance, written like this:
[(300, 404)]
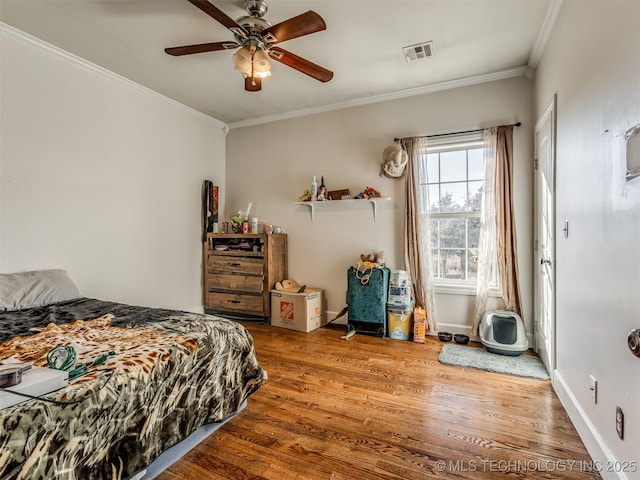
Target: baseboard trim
[(442, 327), (331, 315), (455, 328), (597, 448)]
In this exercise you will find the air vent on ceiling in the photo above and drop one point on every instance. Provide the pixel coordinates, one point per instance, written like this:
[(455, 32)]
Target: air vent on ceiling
[(418, 52)]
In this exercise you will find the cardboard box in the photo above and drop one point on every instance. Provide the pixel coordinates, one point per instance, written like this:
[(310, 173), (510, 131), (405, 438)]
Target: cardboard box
[(297, 311), (419, 324)]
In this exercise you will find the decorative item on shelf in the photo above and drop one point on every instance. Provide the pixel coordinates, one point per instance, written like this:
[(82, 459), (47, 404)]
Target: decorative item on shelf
[(305, 197), (394, 161), (369, 192), (322, 191), (314, 190), (343, 194)]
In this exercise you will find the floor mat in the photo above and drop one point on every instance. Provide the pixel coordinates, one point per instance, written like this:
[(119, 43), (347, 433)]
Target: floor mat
[(471, 357)]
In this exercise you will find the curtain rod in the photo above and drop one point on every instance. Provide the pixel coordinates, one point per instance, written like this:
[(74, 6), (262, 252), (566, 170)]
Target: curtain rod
[(517, 124)]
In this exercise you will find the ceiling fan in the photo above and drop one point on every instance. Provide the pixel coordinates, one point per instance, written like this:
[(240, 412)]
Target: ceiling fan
[(255, 39)]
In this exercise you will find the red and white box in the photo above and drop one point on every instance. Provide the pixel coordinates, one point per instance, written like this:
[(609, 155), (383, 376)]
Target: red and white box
[(298, 311)]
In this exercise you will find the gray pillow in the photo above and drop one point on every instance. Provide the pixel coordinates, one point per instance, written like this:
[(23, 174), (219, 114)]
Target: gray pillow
[(35, 289)]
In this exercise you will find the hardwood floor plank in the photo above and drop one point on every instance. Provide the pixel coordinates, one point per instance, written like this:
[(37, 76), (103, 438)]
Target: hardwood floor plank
[(374, 408)]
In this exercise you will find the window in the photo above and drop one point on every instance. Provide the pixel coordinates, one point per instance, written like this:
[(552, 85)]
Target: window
[(451, 180)]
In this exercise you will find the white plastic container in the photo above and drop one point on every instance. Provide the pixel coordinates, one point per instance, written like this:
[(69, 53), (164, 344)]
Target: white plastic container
[(399, 321), (314, 189), (399, 288)]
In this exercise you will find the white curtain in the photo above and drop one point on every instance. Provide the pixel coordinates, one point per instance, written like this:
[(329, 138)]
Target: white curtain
[(418, 229), (487, 241)]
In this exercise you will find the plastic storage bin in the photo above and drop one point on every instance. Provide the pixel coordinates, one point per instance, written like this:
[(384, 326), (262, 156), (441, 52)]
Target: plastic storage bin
[(400, 321)]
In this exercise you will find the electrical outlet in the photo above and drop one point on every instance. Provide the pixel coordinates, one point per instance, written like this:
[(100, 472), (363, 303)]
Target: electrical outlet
[(620, 423), (593, 386)]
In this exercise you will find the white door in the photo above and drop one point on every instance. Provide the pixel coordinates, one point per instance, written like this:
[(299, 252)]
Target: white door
[(544, 305)]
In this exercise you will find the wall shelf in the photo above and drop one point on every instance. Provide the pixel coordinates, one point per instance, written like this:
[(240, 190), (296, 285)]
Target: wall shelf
[(371, 201)]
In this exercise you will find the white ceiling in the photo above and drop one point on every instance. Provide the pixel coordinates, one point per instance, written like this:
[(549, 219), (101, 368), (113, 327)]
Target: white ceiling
[(473, 40)]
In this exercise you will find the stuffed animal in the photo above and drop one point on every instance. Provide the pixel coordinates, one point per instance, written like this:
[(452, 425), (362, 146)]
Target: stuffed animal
[(377, 258), (305, 197)]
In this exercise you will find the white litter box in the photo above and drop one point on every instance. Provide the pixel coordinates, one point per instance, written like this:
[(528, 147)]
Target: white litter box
[(503, 332)]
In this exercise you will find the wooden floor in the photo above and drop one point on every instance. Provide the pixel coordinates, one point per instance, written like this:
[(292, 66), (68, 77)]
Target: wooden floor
[(376, 408)]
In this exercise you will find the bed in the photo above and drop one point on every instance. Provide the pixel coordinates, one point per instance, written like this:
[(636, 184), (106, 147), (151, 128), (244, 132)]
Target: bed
[(170, 373)]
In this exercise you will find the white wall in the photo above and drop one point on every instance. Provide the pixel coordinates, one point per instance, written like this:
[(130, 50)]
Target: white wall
[(101, 177), (598, 266), (272, 164)]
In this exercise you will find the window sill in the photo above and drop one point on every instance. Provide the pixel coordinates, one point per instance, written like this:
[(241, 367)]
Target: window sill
[(469, 290)]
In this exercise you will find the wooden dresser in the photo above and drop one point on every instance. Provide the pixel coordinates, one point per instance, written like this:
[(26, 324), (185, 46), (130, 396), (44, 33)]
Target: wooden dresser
[(240, 270)]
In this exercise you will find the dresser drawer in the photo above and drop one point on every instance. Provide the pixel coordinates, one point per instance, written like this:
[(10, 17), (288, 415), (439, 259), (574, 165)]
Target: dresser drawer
[(235, 265), (235, 283), (229, 302)]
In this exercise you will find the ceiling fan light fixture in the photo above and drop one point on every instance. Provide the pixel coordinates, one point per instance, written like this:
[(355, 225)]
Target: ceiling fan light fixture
[(242, 61), (255, 38), (261, 63)]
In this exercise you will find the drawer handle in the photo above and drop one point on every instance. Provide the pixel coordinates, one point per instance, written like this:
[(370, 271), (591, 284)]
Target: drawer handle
[(234, 301), (233, 264)]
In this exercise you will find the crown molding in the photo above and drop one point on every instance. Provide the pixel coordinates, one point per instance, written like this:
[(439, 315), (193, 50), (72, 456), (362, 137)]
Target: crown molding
[(411, 92), (19, 35), (544, 33)]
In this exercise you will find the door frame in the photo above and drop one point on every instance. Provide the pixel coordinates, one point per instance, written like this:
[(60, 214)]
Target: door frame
[(551, 115)]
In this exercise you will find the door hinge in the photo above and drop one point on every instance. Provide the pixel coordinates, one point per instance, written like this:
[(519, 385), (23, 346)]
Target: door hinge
[(535, 163), (535, 245)]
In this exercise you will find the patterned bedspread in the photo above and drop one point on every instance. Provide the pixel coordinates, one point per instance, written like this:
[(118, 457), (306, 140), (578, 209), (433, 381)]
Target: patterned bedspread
[(172, 373)]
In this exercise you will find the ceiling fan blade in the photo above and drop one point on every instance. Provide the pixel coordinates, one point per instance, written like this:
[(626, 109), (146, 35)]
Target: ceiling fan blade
[(301, 64), (200, 48), (303, 24), (252, 84), (217, 14)]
